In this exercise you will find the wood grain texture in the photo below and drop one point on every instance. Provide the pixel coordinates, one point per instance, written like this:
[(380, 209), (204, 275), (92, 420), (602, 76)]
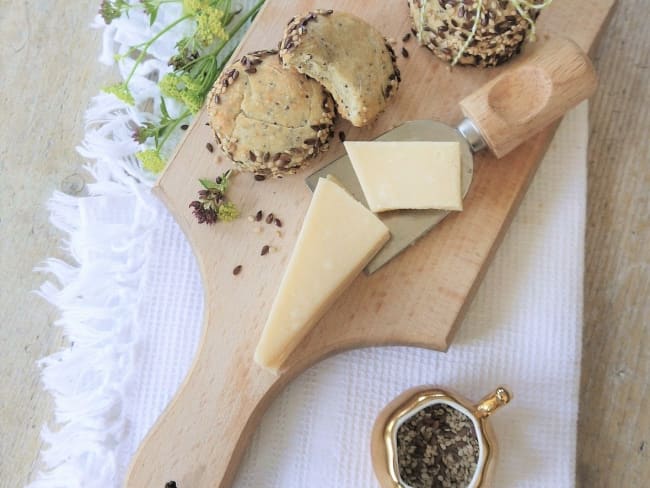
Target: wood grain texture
[(419, 298), (614, 425)]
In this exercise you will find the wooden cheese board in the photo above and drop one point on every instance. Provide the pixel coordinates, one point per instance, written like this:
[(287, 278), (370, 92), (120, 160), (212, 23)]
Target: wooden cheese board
[(417, 299)]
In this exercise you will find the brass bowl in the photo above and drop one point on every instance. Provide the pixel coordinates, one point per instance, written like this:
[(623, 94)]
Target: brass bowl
[(402, 408)]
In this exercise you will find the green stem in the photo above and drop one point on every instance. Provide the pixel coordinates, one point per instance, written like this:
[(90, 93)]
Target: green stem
[(251, 13), (170, 128), (146, 46), (229, 15)]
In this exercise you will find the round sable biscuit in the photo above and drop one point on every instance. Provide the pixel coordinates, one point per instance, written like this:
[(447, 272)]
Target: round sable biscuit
[(444, 26), (348, 56), (269, 120)]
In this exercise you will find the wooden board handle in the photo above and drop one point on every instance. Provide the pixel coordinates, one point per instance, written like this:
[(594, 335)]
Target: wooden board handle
[(541, 88)]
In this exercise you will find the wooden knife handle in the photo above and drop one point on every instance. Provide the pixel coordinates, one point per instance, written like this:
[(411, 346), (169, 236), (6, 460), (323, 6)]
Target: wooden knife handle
[(511, 108)]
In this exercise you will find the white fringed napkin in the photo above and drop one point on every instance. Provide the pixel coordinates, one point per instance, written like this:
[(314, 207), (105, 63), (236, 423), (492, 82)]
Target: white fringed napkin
[(131, 304), (522, 330)]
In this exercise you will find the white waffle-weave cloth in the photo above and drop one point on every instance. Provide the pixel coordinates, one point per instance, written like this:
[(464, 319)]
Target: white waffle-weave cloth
[(522, 330)]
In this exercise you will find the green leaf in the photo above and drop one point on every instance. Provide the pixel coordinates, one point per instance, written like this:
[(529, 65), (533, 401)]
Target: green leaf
[(225, 181), (163, 108), (153, 17), (208, 184)]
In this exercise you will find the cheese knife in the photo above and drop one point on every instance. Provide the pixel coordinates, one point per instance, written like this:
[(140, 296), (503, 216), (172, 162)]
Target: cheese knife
[(499, 116)]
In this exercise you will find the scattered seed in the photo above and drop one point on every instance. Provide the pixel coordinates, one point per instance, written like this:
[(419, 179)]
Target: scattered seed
[(269, 218), (237, 269), (259, 215), (217, 99), (209, 147), (406, 37), (251, 70), (342, 136), (252, 156), (265, 251), (278, 222), (259, 177), (405, 53), (184, 127)]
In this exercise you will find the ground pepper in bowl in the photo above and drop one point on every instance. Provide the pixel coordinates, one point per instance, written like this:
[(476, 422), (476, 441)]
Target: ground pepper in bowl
[(437, 448)]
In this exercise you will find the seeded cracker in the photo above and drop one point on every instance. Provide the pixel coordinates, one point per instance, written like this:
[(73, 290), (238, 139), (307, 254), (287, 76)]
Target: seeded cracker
[(444, 26), (269, 120), (348, 56)]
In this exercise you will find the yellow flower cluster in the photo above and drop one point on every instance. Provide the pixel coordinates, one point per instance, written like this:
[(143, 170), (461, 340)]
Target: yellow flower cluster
[(121, 91), (183, 88), (151, 160), (210, 27), (209, 21), (192, 6), (227, 212)]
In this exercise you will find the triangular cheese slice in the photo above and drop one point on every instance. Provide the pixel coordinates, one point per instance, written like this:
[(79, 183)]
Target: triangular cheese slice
[(338, 238)]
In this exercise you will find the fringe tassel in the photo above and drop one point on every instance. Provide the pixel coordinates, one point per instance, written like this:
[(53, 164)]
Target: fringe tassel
[(97, 293), (97, 298)]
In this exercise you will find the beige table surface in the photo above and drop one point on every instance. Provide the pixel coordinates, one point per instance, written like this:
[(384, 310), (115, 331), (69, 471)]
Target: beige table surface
[(48, 73)]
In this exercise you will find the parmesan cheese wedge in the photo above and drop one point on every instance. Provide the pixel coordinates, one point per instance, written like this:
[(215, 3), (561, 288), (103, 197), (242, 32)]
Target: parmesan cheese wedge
[(408, 174), (338, 238)]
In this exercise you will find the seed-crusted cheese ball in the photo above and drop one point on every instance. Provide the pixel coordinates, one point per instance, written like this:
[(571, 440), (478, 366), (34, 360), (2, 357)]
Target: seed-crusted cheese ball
[(347, 56), (445, 25), (269, 120)]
